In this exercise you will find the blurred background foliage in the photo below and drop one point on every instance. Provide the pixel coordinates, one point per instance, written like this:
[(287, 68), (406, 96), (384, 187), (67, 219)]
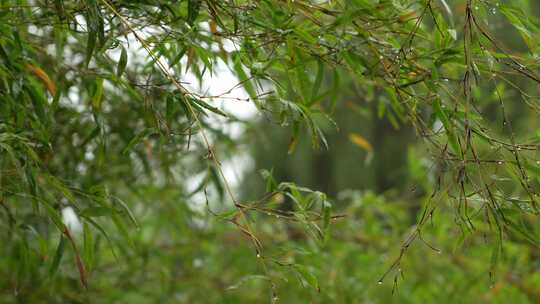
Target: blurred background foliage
[(360, 151)]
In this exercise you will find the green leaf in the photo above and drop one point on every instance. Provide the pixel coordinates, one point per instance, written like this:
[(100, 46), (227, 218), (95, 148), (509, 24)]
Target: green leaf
[(194, 7), (54, 215), (177, 58), (441, 114), (127, 210), (308, 276), (122, 229), (122, 63), (304, 35), (103, 232), (243, 77), (318, 82), (98, 94), (137, 139), (209, 107), (38, 99), (88, 240), (215, 177), (97, 211), (61, 187), (90, 47), (57, 256), (227, 215)]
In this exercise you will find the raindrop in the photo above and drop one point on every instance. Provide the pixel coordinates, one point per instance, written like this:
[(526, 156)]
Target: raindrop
[(493, 10), (499, 163), (538, 162), (258, 255), (380, 282)]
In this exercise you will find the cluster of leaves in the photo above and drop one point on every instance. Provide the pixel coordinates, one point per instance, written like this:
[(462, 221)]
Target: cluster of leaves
[(92, 124)]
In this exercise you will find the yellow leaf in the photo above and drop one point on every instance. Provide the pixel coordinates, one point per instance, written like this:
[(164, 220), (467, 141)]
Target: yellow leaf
[(360, 141), (407, 16), (39, 73), (213, 27), (292, 144)]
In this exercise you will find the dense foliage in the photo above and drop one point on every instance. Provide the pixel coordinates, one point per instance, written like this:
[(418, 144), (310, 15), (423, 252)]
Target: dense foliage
[(393, 157)]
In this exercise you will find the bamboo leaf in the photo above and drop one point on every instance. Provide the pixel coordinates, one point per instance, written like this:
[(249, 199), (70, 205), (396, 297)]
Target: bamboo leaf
[(57, 256), (88, 242), (97, 211), (308, 276), (98, 95), (208, 107), (127, 210), (122, 63), (318, 81), (360, 141), (194, 7), (137, 139), (90, 47), (41, 75)]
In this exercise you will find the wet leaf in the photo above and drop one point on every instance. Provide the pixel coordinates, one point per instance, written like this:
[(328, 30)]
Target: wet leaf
[(122, 63)]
